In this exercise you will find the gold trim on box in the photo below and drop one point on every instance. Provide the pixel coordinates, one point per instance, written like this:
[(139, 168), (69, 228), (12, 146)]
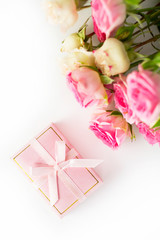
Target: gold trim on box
[(40, 188)]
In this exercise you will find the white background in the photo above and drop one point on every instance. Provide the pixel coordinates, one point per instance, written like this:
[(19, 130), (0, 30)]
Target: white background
[(33, 93)]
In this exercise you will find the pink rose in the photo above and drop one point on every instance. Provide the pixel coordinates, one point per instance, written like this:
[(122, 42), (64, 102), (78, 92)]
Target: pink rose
[(143, 90), (149, 134), (86, 86), (107, 16), (121, 99), (111, 129)]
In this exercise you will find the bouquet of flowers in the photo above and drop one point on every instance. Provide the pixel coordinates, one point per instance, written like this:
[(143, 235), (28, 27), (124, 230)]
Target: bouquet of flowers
[(106, 67)]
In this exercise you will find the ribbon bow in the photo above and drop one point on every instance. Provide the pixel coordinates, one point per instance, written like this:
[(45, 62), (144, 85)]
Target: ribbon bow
[(54, 169)]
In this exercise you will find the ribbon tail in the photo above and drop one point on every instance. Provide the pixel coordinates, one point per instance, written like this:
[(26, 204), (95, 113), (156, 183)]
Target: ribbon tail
[(53, 187), (40, 171), (38, 183), (71, 154), (69, 183), (60, 151), (82, 163), (41, 151)]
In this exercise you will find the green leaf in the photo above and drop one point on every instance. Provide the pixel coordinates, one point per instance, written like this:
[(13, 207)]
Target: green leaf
[(82, 33), (152, 64), (84, 25), (135, 55), (105, 79), (132, 2), (116, 113), (125, 33), (91, 67), (135, 16), (131, 131), (157, 124)]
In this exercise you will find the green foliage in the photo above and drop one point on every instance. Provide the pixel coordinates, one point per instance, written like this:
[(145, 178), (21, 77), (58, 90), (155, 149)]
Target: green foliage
[(131, 132), (132, 2), (91, 67), (82, 33), (152, 64), (105, 79), (116, 113), (125, 32), (84, 25), (157, 125), (135, 55)]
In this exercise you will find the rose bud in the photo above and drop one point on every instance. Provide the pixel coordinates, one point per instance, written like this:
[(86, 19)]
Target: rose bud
[(71, 42), (112, 58)]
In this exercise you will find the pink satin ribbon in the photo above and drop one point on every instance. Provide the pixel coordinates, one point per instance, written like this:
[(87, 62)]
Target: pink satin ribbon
[(54, 169)]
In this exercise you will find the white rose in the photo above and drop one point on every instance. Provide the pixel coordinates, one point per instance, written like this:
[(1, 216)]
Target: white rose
[(62, 12), (71, 42), (77, 58), (112, 57)]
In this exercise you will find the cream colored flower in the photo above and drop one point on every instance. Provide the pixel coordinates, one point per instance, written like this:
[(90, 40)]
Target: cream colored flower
[(77, 58), (62, 12), (112, 57), (71, 42)]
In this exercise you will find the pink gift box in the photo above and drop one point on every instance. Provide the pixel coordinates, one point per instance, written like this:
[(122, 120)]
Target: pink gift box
[(85, 178)]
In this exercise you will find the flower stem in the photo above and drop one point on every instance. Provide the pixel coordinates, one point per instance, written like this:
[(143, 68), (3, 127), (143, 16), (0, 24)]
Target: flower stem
[(87, 6), (134, 64), (146, 9), (153, 15), (89, 36), (142, 1), (153, 23), (153, 39)]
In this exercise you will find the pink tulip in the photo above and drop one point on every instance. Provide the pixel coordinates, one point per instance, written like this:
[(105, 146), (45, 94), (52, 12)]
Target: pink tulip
[(107, 16)]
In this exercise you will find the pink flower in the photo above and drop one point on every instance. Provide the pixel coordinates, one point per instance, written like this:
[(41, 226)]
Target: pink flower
[(86, 86), (143, 90), (107, 16), (121, 99), (149, 134), (111, 129)]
